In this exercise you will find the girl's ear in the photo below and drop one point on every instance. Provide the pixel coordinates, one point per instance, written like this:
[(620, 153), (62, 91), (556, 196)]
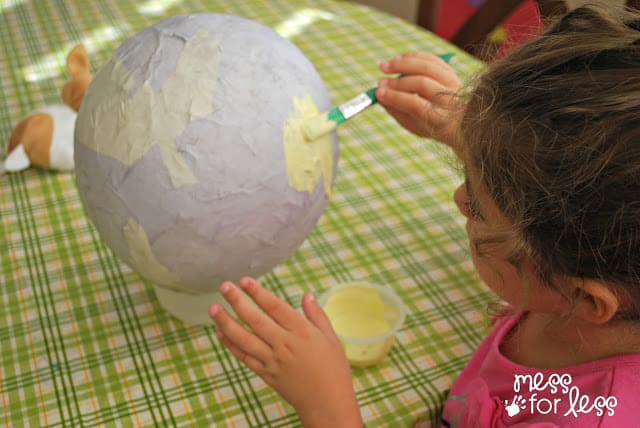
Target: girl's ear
[(595, 301), (77, 61)]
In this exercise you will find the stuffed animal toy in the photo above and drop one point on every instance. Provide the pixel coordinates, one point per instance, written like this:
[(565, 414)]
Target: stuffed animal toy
[(45, 138)]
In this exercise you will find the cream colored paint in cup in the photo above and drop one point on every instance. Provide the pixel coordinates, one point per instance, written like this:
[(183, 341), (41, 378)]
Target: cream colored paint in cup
[(357, 315)]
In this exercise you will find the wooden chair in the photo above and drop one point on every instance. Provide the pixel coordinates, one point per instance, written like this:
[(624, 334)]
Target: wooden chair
[(471, 36)]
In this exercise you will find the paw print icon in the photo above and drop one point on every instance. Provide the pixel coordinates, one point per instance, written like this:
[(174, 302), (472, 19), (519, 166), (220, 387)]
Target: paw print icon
[(517, 404)]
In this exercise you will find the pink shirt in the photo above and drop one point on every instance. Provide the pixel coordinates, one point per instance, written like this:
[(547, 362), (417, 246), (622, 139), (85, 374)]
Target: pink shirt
[(492, 391)]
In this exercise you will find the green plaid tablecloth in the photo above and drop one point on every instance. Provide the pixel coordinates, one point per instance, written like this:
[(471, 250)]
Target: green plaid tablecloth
[(84, 342)]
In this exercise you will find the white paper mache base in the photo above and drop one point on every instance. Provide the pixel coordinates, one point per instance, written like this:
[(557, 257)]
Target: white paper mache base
[(189, 308)]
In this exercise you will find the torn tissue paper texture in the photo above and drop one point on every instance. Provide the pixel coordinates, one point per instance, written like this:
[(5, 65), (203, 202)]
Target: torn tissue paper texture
[(186, 155)]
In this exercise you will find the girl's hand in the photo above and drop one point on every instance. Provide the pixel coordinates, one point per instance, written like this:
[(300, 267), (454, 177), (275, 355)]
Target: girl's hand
[(300, 357), (424, 101)]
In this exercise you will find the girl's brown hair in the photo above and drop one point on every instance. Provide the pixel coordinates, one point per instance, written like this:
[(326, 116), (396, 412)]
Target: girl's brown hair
[(553, 131)]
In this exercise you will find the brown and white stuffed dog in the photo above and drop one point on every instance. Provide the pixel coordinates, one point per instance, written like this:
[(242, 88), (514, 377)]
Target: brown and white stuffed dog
[(45, 138)]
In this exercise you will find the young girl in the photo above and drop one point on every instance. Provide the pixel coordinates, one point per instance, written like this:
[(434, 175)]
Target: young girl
[(550, 143)]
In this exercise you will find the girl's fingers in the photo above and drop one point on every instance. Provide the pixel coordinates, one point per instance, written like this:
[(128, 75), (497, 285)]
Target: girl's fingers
[(283, 314), (248, 360), (316, 315), (427, 88), (391, 65), (426, 102), (423, 64), (404, 102), (397, 114), (261, 323), (418, 115), (238, 336)]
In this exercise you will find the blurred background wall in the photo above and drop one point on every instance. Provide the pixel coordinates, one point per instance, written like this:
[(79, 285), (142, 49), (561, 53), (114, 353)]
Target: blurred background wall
[(515, 29), (408, 9)]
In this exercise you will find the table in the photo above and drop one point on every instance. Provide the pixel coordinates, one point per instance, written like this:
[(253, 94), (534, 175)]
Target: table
[(84, 341)]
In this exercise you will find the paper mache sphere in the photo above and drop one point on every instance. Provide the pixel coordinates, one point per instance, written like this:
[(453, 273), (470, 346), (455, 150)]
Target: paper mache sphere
[(190, 160)]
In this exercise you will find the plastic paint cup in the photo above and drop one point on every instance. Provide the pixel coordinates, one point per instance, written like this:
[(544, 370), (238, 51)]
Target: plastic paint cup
[(366, 318)]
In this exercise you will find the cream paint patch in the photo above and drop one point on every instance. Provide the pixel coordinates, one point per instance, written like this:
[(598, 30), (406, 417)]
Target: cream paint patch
[(143, 259), (317, 126), (306, 160), (149, 118)]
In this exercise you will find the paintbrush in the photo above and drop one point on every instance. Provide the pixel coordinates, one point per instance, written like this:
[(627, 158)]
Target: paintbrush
[(324, 123)]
